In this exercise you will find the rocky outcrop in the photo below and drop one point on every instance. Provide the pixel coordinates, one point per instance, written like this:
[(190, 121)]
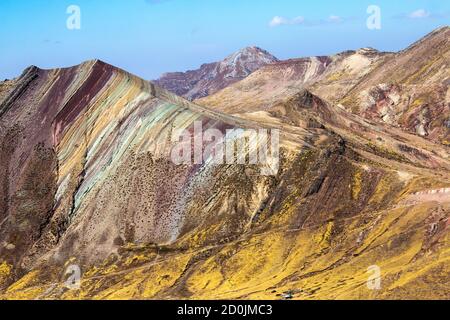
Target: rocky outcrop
[(409, 88)]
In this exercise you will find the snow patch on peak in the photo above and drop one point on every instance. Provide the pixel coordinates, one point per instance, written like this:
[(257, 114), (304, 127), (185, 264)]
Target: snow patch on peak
[(244, 62)]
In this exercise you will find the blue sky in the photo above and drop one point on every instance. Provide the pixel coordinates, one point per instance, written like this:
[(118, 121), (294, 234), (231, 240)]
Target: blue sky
[(149, 37)]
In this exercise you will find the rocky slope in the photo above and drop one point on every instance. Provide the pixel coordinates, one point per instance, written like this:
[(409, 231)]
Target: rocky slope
[(72, 139), (87, 181), (215, 76), (411, 89)]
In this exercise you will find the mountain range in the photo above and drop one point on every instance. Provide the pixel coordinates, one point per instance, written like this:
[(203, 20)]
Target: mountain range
[(408, 89), (363, 179), (212, 77)]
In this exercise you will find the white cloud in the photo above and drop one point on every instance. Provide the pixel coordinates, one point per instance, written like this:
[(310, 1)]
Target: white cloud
[(298, 20), (279, 21), (334, 18), (419, 14)]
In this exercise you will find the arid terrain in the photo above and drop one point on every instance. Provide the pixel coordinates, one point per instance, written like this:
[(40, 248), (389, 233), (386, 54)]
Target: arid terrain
[(364, 180)]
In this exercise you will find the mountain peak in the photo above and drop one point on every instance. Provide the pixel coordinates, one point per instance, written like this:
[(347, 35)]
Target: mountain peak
[(255, 51), (212, 77), (245, 61), (367, 50)]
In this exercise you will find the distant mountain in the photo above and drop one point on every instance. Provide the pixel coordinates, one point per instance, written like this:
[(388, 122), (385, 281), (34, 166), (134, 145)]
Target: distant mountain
[(408, 89), (268, 85), (215, 76), (278, 81)]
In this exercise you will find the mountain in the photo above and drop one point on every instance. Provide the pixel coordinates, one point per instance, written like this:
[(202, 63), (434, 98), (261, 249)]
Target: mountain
[(408, 89), (212, 77), (279, 80), (84, 153), (87, 182)]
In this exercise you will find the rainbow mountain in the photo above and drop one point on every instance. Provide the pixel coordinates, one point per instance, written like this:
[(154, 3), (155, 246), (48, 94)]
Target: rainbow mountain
[(86, 181)]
